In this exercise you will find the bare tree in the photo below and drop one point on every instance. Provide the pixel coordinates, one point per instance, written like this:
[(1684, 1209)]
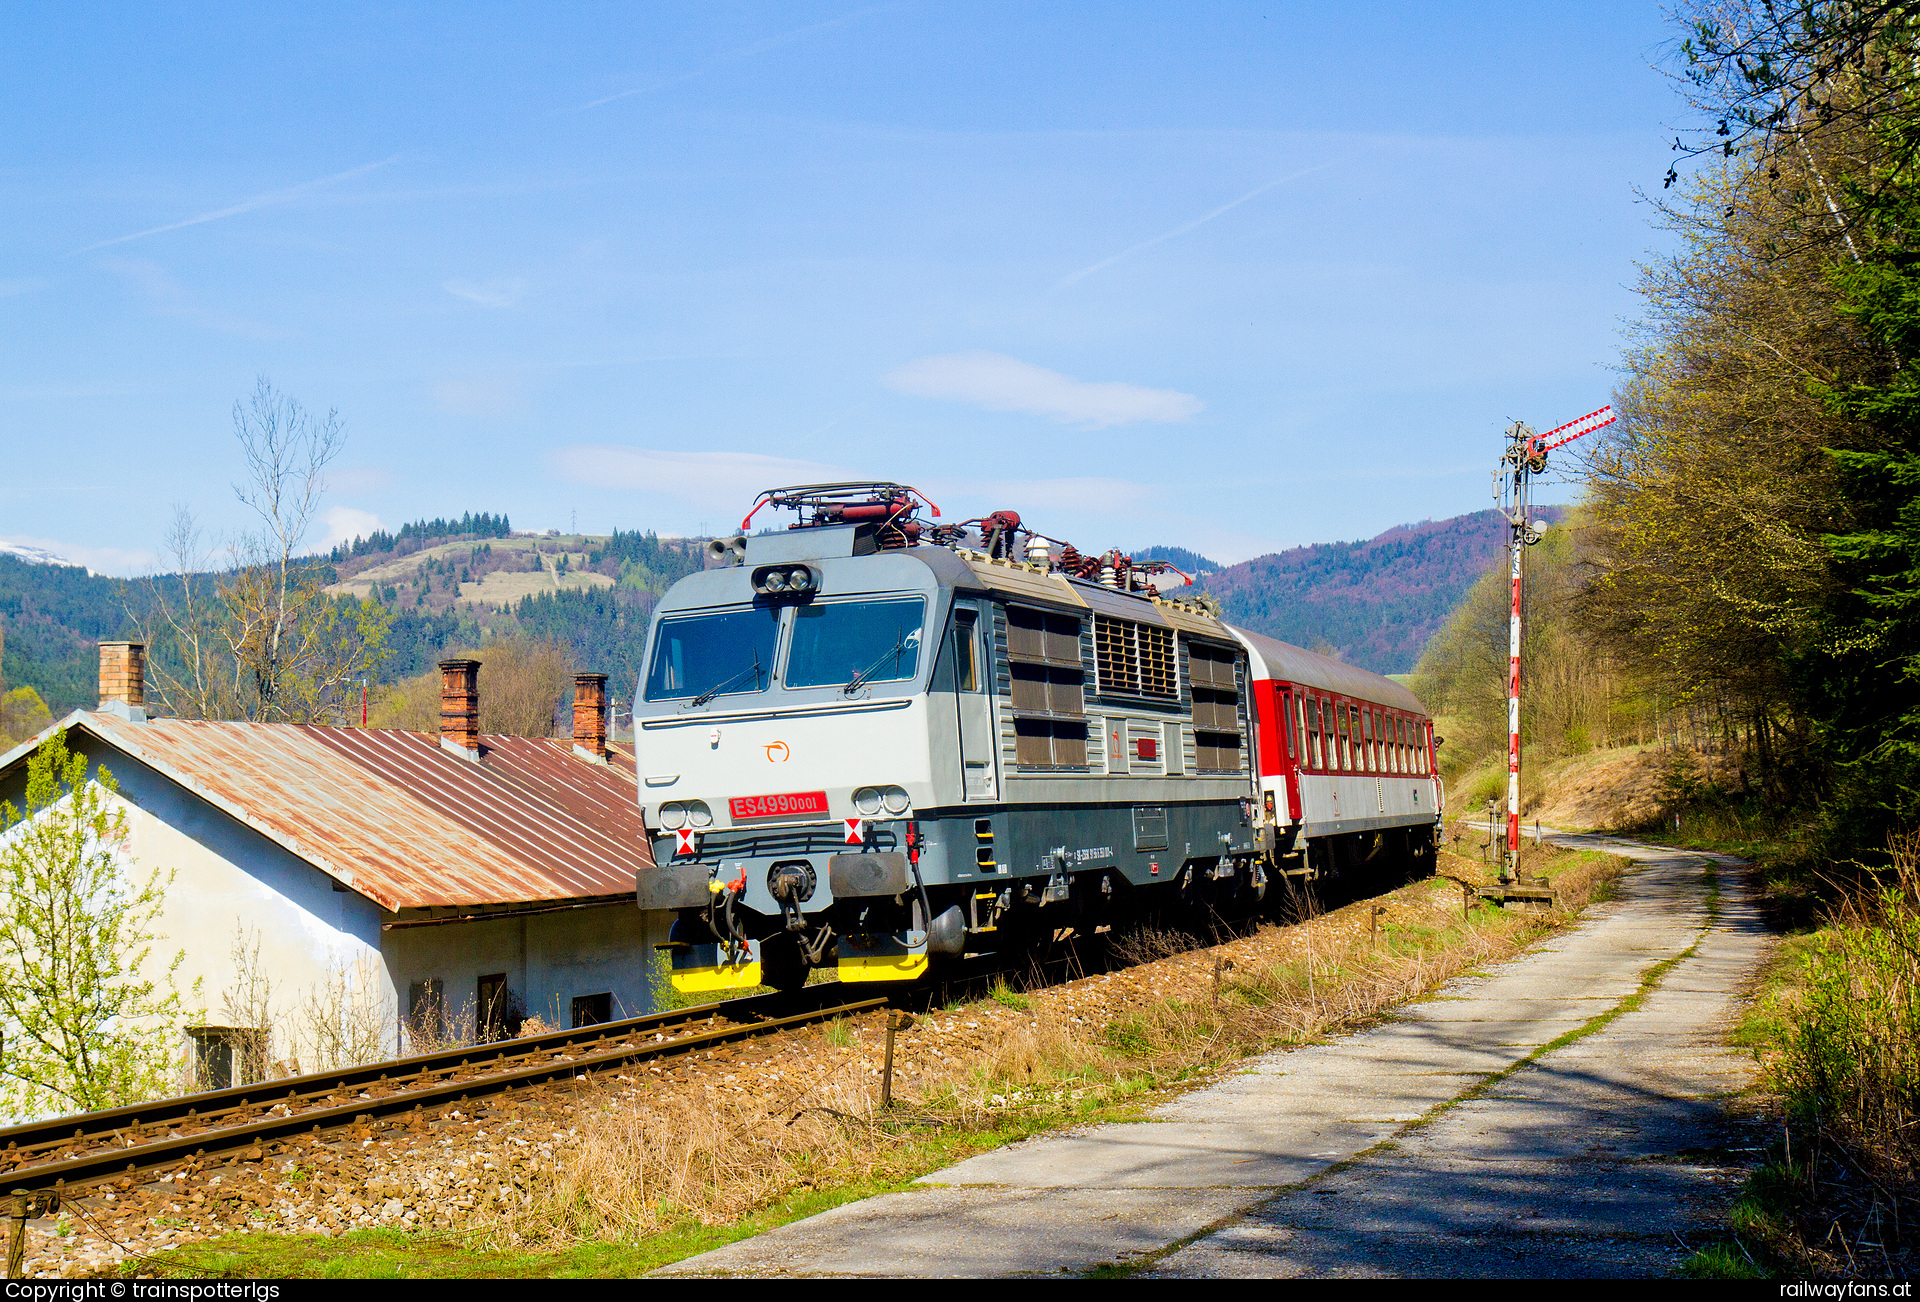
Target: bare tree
[(266, 642), (184, 623)]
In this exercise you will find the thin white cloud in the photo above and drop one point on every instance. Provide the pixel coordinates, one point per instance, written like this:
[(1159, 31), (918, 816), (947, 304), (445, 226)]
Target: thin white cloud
[(100, 560), (503, 394), (1001, 383), (773, 42), (714, 480), (267, 199), (171, 298), (345, 523), (359, 479), (1041, 495), (1254, 193), (501, 291)]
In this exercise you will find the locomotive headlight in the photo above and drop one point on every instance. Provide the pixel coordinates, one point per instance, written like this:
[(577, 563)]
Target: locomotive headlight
[(673, 815), (896, 800), (775, 582), (698, 814), (799, 580), (867, 801)]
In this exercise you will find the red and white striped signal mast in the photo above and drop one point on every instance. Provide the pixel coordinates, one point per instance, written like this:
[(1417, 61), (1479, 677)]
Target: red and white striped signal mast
[(1525, 457)]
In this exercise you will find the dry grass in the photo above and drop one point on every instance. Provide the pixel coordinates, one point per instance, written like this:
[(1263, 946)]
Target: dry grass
[(650, 1161)]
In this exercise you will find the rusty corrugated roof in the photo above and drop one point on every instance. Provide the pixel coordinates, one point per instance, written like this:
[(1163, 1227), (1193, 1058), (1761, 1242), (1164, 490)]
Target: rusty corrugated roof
[(401, 820)]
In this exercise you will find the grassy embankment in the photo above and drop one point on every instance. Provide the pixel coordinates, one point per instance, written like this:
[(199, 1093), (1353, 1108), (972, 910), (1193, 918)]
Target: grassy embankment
[(649, 1185)]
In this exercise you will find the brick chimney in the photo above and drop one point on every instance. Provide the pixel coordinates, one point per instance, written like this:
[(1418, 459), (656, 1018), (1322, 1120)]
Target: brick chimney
[(590, 716), (123, 679), (460, 707)]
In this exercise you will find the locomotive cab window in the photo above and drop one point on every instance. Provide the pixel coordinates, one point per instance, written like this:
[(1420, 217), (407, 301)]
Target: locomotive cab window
[(848, 641), (725, 653)]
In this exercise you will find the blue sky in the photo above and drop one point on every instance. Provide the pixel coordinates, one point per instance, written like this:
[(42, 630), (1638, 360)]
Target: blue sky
[(1232, 276)]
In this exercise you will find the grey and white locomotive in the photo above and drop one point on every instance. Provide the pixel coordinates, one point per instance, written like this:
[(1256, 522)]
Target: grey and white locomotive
[(880, 744)]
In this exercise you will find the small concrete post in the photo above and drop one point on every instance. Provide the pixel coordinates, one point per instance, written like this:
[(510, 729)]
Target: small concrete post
[(886, 1073), (17, 1240), (896, 1021), (1220, 965)]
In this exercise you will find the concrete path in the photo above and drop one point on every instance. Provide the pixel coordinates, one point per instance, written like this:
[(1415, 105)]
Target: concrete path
[(1459, 1140)]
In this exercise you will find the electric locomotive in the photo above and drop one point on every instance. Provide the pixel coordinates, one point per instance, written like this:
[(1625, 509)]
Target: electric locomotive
[(879, 744)]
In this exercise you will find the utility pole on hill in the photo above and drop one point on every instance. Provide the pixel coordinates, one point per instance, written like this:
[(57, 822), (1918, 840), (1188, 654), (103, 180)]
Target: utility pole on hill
[(1525, 457)]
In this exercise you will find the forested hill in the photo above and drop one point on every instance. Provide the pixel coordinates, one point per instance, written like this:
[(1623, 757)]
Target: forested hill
[(447, 583), (1376, 602)]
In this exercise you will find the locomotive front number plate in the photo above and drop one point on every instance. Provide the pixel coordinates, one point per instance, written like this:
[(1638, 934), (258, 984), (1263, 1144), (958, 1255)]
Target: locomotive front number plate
[(794, 802)]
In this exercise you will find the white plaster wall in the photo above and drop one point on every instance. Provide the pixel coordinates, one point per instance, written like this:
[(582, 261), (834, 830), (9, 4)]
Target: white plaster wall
[(548, 959), (214, 904)]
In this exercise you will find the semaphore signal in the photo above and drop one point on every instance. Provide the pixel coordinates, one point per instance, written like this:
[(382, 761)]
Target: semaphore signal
[(1525, 457)]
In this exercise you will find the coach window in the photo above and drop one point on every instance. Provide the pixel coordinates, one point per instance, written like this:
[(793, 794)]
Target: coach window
[(1368, 716), (1302, 756), (1343, 758)]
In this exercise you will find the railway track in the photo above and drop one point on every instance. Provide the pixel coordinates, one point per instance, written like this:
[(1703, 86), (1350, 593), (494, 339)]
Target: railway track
[(68, 1153)]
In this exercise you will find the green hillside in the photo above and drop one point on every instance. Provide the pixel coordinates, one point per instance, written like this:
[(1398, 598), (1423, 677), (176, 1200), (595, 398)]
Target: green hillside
[(439, 579), (1375, 601)]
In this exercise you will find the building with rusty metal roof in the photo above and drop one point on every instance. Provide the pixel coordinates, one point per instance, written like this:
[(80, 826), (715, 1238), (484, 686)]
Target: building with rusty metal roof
[(440, 887)]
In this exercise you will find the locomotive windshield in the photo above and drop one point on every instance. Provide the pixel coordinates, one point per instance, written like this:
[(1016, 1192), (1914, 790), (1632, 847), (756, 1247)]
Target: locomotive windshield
[(855, 642), (713, 655)]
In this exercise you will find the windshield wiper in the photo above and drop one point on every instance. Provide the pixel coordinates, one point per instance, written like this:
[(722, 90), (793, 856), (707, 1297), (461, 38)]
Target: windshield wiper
[(900, 644), (718, 688)]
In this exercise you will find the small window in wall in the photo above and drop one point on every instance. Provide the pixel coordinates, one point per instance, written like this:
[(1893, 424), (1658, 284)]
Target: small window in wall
[(591, 1010), (225, 1056), (498, 1011), (1314, 754)]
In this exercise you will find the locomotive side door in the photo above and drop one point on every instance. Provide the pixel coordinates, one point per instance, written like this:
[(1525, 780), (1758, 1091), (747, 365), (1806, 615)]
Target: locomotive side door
[(974, 701)]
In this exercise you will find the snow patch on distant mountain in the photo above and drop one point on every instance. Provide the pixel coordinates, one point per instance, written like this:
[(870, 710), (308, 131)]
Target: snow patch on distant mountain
[(33, 555)]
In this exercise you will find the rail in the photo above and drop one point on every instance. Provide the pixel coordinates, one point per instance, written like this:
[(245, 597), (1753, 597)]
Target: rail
[(39, 1155)]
